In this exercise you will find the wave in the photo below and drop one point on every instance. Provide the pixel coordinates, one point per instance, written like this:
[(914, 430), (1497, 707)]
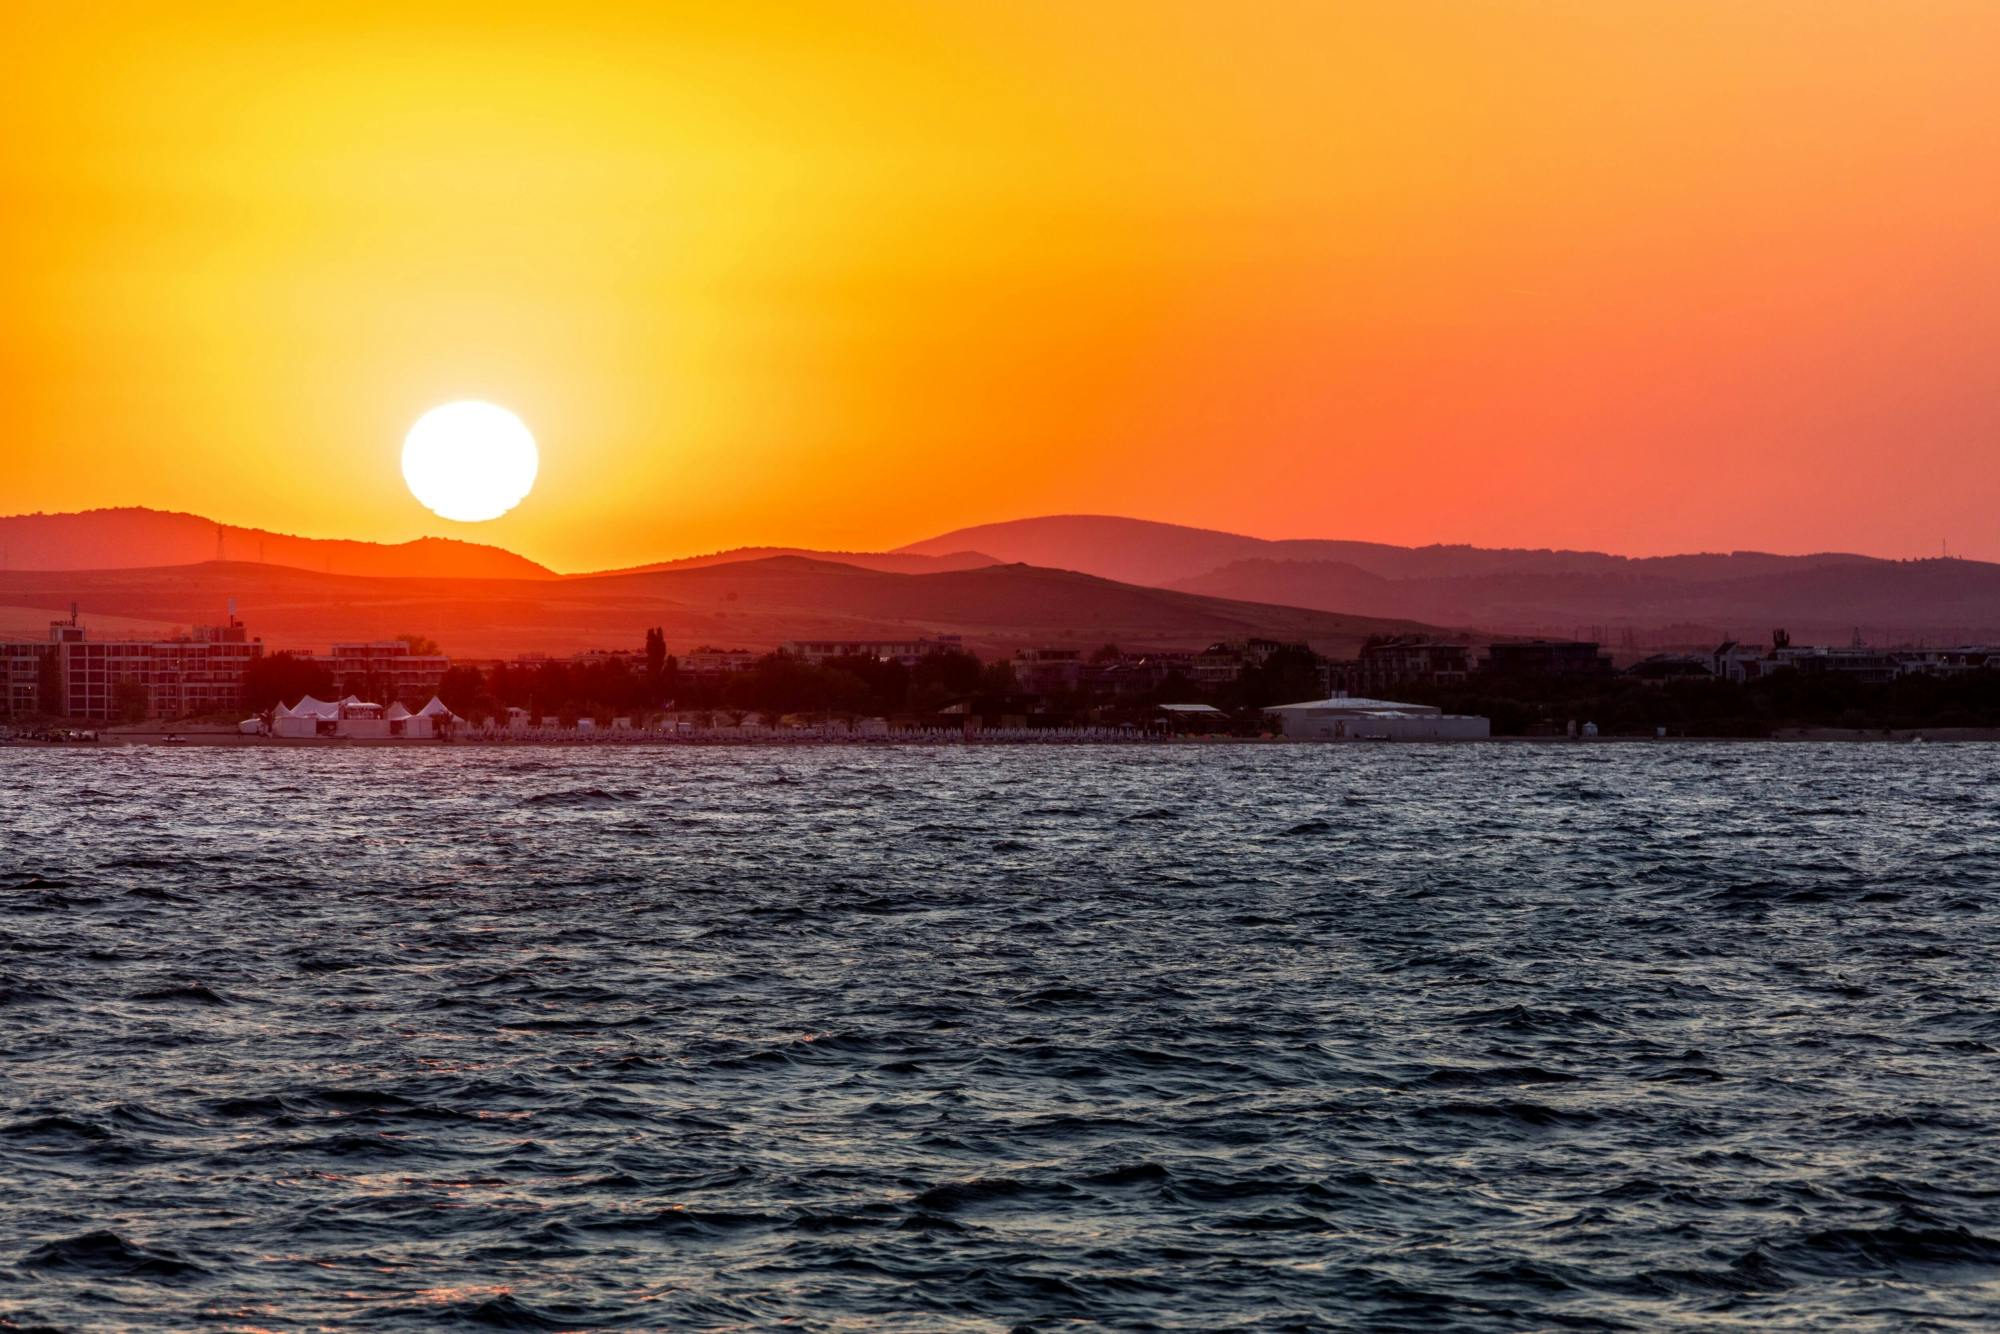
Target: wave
[(108, 1255)]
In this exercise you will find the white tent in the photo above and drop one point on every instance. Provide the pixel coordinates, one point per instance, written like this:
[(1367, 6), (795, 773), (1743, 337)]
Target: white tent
[(281, 711), (437, 708), (308, 707), (410, 726)]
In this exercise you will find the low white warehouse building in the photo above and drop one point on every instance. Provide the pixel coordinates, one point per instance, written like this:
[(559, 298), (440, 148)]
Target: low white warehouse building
[(1344, 718)]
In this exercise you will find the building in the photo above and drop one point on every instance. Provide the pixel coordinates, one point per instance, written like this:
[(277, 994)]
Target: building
[(1736, 662), (74, 676), (1197, 719), (1046, 671), (1224, 663), (708, 661), (1947, 661), (1216, 665), (1663, 668), (1866, 665), (1348, 718), (1546, 657), (30, 679), (909, 652), (1135, 674), (385, 669), (1411, 660)]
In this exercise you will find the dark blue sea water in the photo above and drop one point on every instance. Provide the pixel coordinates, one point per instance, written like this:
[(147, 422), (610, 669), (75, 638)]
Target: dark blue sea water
[(1479, 1037)]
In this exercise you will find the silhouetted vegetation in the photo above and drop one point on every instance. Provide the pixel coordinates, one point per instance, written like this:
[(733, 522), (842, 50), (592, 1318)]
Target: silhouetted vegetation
[(606, 685), (626, 684), (283, 676), (130, 701), (1786, 699)]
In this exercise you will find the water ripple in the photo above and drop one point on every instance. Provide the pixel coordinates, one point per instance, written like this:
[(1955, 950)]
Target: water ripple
[(1492, 1037)]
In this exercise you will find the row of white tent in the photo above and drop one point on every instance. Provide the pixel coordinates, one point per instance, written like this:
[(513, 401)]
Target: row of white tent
[(351, 717)]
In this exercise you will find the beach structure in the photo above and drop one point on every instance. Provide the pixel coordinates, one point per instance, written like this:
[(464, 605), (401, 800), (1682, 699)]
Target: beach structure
[(360, 720), (305, 718), (1346, 718), (1201, 718)]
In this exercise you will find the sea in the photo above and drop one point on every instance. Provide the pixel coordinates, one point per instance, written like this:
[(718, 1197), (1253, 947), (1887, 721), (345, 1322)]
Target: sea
[(1178, 1036)]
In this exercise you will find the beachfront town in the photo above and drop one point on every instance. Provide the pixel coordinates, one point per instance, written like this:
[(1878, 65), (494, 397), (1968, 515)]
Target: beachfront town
[(1405, 687)]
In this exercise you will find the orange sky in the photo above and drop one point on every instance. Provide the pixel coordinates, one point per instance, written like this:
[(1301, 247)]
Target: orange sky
[(1635, 276)]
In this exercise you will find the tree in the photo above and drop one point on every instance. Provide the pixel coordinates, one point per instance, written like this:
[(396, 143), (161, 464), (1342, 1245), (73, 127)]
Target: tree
[(1288, 676), (1106, 653), (950, 672), (283, 678), (130, 700), (463, 690), (422, 646), (49, 684), (656, 652)]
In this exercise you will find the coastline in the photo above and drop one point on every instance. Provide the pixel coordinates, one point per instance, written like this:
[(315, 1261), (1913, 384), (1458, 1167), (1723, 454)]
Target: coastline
[(1789, 736)]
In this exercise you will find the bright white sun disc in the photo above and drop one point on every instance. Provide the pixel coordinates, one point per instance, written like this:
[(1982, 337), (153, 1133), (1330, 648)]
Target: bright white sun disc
[(469, 461)]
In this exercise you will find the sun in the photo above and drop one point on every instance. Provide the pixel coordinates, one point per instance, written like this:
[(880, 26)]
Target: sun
[(470, 461)]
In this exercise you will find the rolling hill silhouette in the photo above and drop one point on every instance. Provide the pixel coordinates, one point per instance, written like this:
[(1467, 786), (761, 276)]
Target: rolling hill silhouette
[(889, 562), (1825, 596), (136, 538), (1669, 599), (750, 604)]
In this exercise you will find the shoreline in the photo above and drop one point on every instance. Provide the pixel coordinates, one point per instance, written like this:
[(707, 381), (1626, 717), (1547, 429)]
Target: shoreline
[(1793, 736)]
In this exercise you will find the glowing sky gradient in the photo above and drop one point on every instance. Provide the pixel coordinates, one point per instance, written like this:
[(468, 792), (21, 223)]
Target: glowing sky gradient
[(1636, 276)]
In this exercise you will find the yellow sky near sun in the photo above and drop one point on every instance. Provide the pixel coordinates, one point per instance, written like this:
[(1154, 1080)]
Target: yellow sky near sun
[(1641, 276)]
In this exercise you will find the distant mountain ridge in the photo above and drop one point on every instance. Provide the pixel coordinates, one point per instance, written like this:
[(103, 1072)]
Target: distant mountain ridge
[(1634, 602), (1143, 551), (1824, 596), (138, 538), (754, 604), (888, 562)]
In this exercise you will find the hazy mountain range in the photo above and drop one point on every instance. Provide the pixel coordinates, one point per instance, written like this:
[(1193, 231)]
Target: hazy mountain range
[(123, 539), (1130, 580), (1689, 599), (755, 603)]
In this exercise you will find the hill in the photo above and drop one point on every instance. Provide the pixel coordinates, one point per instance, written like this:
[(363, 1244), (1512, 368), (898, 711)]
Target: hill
[(144, 538), (750, 604), (1665, 599), (890, 562), (1887, 601)]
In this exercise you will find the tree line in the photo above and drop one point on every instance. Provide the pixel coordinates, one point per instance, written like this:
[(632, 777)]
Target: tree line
[(654, 681)]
